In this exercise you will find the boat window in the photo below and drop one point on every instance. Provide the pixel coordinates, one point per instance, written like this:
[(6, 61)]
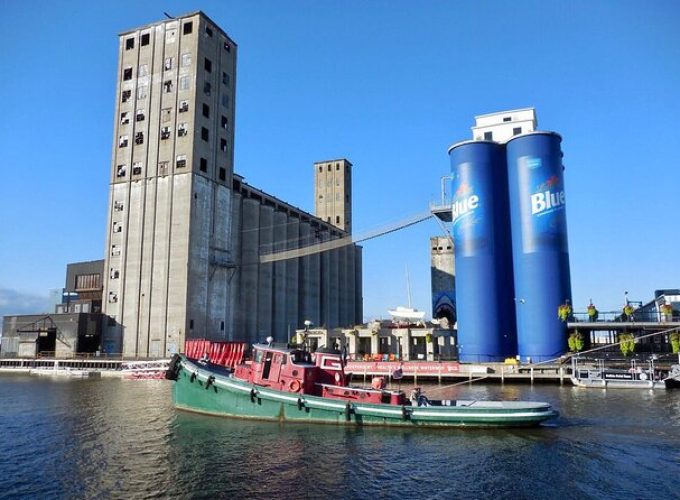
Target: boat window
[(284, 359), (300, 357), (258, 356), (333, 363)]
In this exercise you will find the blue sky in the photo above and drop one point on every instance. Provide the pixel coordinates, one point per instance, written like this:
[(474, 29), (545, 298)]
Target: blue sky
[(388, 85)]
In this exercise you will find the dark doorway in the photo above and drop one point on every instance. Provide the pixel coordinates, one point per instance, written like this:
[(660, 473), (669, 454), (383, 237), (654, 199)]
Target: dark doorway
[(47, 341)]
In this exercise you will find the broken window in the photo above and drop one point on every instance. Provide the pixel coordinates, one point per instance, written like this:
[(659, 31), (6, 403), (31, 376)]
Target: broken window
[(129, 43), (223, 174), (127, 73), (118, 206), (207, 65), (188, 27), (204, 165), (182, 130), (145, 39), (117, 227), (183, 106), (165, 133), (126, 95), (225, 79), (122, 141), (223, 145), (167, 85), (181, 161), (208, 31), (227, 47), (113, 297), (224, 123), (139, 138), (114, 273), (168, 63), (206, 110), (137, 168), (115, 250), (120, 170), (205, 135), (125, 118), (139, 116)]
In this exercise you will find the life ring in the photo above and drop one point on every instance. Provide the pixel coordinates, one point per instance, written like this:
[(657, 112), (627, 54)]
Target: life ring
[(294, 385), (643, 376)]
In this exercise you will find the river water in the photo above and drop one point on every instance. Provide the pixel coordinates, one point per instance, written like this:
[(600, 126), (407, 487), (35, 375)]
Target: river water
[(114, 438)]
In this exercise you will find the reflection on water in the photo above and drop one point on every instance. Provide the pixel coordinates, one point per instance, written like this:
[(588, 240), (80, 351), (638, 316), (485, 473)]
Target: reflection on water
[(123, 439)]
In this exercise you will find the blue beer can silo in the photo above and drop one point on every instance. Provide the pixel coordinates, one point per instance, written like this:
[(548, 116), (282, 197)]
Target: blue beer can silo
[(482, 248), (540, 251)]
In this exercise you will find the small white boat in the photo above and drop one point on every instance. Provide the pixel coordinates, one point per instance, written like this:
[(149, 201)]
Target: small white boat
[(406, 314), (636, 377)]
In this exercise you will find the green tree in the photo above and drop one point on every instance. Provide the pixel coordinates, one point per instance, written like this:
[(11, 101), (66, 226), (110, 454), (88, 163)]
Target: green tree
[(627, 342), (575, 341)]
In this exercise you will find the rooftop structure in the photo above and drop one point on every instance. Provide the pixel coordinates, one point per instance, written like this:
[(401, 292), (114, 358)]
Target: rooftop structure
[(333, 192), (504, 125)]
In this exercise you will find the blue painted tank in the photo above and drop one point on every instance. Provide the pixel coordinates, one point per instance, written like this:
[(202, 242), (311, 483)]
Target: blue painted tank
[(481, 233), (539, 243)]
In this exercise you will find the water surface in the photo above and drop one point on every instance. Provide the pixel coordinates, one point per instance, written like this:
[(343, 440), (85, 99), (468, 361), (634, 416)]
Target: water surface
[(123, 439)]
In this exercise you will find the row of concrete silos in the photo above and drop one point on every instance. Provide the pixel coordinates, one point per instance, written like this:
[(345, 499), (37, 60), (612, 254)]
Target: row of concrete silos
[(512, 260), (276, 298)]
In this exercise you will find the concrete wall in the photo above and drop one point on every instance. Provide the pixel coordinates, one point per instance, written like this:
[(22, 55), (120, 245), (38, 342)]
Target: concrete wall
[(168, 241), (184, 235)]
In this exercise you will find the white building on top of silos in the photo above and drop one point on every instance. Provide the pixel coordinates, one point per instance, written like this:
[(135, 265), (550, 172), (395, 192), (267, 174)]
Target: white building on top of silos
[(504, 125)]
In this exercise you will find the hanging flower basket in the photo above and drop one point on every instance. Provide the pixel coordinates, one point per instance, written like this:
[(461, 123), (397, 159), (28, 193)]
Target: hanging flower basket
[(593, 313), (628, 311), (563, 312), (575, 341), (675, 342), (627, 343), (667, 311), (428, 338)]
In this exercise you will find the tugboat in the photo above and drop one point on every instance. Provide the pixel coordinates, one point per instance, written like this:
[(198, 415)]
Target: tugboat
[(289, 383)]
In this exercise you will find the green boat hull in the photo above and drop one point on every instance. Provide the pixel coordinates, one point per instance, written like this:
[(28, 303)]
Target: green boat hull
[(200, 389)]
